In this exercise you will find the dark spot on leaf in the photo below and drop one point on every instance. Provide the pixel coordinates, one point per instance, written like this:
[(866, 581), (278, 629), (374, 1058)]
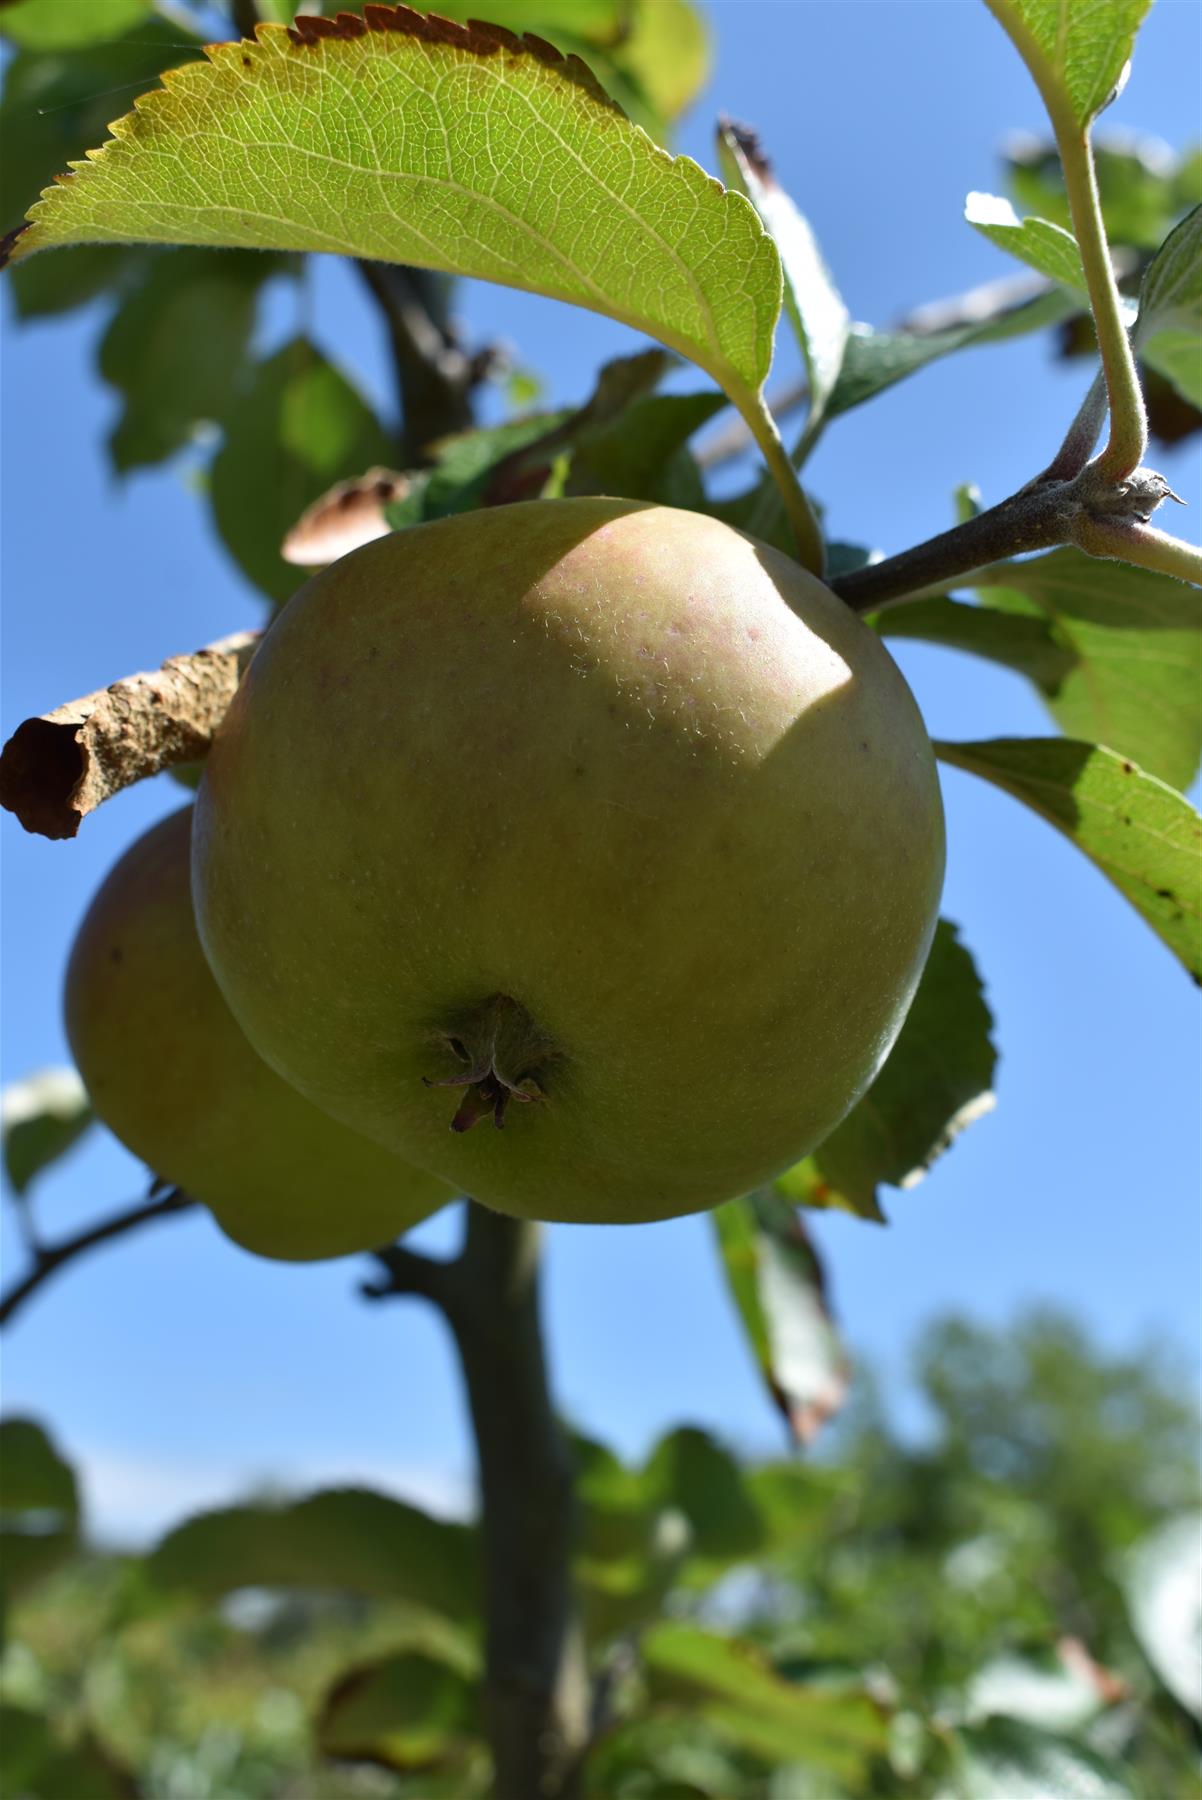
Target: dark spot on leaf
[(246, 63), (1128, 768), (1165, 894)]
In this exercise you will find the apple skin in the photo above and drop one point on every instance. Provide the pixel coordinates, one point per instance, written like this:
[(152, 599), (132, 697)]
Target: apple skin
[(631, 770), (173, 1077)]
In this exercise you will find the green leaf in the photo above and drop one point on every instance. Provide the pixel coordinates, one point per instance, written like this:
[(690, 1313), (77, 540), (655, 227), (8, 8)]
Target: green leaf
[(813, 303), (652, 56), (43, 1115), (1142, 187), (298, 428), (875, 360), (779, 1289), (1017, 641), (936, 1080), (69, 24), (176, 347), (57, 105), (1177, 355), (345, 1538), (1006, 1760), (1168, 331), (1139, 832), (737, 1692), (456, 148), (1162, 1579), (408, 1711), (515, 461), (54, 284), (642, 456), (1036, 242), (1135, 643), (664, 1756), (1076, 50), (1115, 651), (39, 1513), (690, 1471)]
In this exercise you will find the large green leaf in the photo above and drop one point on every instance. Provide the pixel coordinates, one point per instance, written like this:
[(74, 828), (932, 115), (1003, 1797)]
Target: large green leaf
[(1115, 651), (1037, 242), (937, 1080), (814, 304), (297, 429), (175, 349), (1076, 50), (778, 1286), (1168, 331), (39, 1506), (43, 1115), (651, 55), (409, 139), (738, 1693), (1023, 642), (345, 1538), (1138, 830), (1135, 638)]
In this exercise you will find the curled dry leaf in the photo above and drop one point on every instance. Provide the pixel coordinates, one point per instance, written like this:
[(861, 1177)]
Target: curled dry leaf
[(56, 769), (347, 515)]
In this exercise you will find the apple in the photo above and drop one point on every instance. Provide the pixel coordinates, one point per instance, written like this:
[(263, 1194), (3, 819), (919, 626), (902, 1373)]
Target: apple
[(170, 1073), (599, 822)]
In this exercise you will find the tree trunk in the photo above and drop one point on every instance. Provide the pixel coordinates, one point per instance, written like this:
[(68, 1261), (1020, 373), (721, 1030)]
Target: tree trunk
[(535, 1679)]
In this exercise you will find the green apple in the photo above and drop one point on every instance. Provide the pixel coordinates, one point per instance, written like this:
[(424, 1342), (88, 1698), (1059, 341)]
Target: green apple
[(173, 1077), (597, 821)]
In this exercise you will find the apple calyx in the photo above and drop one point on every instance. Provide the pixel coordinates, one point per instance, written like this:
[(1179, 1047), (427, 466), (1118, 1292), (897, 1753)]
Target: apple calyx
[(503, 1048)]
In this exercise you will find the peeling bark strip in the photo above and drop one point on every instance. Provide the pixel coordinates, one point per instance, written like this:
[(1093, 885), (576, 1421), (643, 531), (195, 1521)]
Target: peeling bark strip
[(56, 769), (476, 36)]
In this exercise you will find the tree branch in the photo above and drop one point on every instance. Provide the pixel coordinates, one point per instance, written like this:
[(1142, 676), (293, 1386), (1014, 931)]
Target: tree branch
[(1099, 516), (405, 1273), (56, 769), (435, 376), (50, 1258), (536, 1680)]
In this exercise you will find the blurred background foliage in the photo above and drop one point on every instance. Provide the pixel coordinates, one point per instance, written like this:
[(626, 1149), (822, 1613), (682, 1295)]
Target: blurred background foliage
[(1002, 1602), (1005, 1604)]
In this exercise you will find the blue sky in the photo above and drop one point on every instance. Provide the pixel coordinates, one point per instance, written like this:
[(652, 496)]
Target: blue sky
[(179, 1369)]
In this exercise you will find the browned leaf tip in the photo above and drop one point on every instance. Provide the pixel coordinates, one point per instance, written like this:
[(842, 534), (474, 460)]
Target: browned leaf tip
[(56, 769), (478, 37), (8, 241), (747, 141), (347, 515)]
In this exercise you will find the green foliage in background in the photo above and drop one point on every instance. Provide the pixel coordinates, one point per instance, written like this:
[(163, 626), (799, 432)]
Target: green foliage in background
[(999, 1591)]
